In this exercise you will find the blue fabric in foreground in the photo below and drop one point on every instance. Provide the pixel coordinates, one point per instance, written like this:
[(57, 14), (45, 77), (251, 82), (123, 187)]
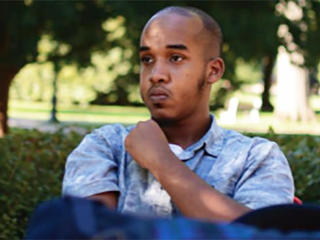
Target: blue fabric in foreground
[(284, 217), (75, 218)]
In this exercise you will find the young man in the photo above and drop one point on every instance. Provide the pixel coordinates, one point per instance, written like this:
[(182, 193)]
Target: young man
[(179, 161)]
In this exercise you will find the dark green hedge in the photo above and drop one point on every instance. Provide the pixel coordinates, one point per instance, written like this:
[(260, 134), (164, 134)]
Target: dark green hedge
[(32, 164), (31, 169)]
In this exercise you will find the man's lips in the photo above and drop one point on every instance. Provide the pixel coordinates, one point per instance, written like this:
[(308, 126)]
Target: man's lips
[(158, 94)]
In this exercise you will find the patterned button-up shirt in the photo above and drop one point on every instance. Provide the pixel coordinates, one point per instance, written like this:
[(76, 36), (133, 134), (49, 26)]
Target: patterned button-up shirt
[(252, 171)]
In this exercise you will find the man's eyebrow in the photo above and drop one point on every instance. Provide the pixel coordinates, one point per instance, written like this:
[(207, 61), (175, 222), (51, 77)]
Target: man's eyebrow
[(144, 48), (171, 46), (177, 46)]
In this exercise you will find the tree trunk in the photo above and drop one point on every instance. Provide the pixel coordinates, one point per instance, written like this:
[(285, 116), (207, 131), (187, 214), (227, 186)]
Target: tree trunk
[(292, 89), (6, 75), (268, 62), (122, 96), (53, 118)]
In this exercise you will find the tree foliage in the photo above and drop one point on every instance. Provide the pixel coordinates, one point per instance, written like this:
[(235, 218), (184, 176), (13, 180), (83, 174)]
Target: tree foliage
[(74, 25), (78, 29)]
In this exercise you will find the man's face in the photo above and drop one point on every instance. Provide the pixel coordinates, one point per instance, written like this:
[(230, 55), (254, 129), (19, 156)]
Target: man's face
[(172, 74)]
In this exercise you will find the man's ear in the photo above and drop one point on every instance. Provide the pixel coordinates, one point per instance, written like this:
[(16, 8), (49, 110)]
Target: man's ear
[(215, 70)]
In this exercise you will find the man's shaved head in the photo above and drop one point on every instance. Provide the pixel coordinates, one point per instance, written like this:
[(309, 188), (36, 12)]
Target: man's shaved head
[(179, 56), (212, 29)]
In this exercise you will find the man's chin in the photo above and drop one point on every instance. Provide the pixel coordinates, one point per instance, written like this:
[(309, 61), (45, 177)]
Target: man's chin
[(162, 116), (163, 120)]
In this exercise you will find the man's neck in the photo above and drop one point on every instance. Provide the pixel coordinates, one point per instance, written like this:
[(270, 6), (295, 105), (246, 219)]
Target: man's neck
[(186, 132)]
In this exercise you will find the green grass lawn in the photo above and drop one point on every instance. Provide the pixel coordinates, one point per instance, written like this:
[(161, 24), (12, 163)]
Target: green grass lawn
[(98, 115), (268, 122), (76, 113)]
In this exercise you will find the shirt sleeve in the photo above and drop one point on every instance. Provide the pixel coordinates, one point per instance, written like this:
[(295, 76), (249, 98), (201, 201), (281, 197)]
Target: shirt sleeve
[(91, 168), (266, 179)]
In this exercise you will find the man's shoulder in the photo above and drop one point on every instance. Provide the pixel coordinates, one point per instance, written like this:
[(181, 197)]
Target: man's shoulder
[(114, 131), (107, 138), (226, 141), (109, 135), (253, 148), (247, 141)]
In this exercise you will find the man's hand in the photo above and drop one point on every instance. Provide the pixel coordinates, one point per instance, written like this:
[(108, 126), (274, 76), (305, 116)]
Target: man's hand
[(148, 145)]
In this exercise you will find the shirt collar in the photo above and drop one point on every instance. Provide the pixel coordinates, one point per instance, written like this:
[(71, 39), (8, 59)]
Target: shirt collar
[(211, 142), (214, 141)]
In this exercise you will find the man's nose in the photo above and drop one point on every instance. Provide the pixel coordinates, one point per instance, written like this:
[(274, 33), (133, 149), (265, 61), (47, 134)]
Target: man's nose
[(159, 73)]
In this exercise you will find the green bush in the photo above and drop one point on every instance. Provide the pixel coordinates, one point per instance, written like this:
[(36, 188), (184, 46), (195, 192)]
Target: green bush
[(31, 169), (32, 165)]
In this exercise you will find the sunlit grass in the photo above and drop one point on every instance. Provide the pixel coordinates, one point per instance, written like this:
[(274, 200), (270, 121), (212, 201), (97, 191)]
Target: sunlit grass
[(77, 113), (97, 115), (315, 102), (268, 122)]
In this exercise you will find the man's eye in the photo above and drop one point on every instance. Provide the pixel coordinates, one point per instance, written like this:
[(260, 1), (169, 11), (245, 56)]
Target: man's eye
[(146, 59), (176, 58)]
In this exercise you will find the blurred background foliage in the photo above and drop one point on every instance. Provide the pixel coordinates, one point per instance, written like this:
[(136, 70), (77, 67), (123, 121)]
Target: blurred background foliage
[(79, 83), (94, 44), (95, 84)]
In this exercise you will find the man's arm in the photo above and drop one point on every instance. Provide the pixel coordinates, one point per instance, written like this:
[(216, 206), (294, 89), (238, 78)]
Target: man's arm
[(109, 199), (194, 197), (91, 169)]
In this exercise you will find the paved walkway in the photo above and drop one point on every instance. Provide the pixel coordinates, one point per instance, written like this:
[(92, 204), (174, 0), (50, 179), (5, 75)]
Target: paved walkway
[(43, 125)]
